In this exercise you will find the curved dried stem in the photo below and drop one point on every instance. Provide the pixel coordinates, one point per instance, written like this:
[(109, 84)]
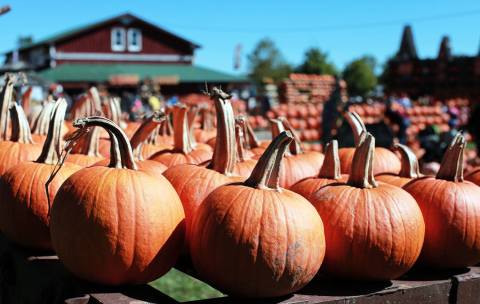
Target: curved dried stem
[(410, 167), (451, 168), (296, 145), (6, 100), (331, 164), (358, 127), (20, 128), (361, 175), (52, 148), (181, 130)]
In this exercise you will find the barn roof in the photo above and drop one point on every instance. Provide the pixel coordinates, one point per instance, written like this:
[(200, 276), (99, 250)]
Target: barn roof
[(85, 28), (76, 72)]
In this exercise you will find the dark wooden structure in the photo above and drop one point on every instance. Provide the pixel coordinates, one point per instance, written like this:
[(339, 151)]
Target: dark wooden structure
[(446, 76), (27, 277)]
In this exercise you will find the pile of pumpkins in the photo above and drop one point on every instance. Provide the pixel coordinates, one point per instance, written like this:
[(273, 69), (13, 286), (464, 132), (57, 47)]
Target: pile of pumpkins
[(257, 219)]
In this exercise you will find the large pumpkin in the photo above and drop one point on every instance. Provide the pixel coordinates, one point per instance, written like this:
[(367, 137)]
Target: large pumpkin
[(24, 204), (451, 210), (372, 231), (409, 168), (116, 225), (385, 160), (329, 173), (184, 151), (193, 183), (255, 239)]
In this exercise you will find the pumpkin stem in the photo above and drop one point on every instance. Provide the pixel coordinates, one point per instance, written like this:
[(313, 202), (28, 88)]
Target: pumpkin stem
[(331, 164), (296, 145), (26, 100), (191, 115), (42, 122), (166, 126), (277, 128), (121, 155), (88, 144), (410, 167), (206, 119), (224, 154), (361, 175), (181, 130), (6, 99), (358, 127), (250, 135), (265, 175), (148, 126), (95, 103), (451, 168), (52, 148), (20, 128), (240, 138)]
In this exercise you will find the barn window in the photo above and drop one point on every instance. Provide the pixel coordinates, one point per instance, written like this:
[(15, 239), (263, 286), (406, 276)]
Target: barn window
[(134, 40), (118, 39)]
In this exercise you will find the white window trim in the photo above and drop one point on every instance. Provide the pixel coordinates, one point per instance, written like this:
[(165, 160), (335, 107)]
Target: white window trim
[(138, 47), (115, 47)]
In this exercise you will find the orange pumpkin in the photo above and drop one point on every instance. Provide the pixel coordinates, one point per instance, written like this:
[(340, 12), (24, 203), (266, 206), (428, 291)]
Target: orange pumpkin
[(183, 151), (86, 151), (385, 160), (451, 211), (132, 221), (24, 205), (20, 147), (329, 173), (409, 168), (256, 234), (373, 231)]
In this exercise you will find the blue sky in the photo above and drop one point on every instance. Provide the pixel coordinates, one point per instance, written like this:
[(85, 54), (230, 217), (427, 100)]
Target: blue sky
[(344, 29)]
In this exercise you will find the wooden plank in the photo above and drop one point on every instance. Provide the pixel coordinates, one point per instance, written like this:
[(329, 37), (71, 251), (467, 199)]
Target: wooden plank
[(466, 287)]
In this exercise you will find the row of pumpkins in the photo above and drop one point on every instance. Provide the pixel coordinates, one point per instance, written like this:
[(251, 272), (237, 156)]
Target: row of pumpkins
[(358, 213)]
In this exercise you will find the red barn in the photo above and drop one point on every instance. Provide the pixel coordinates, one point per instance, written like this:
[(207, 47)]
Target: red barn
[(117, 52)]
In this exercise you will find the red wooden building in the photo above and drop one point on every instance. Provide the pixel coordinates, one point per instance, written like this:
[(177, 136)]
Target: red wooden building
[(117, 52)]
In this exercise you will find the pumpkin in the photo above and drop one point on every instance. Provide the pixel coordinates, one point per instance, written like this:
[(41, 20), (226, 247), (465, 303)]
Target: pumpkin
[(372, 231), (385, 160), (145, 140), (409, 168), (297, 164), (132, 222), (24, 205), (20, 147), (193, 183), (183, 151), (451, 211), (329, 173), (86, 151), (255, 239)]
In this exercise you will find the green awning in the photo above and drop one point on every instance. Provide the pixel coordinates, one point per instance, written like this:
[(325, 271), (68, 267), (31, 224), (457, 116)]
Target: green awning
[(76, 72)]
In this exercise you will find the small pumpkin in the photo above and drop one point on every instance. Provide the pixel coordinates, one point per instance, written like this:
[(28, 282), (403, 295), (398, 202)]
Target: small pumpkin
[(183, 151), (24, 205), (329, 173), (451, 211), (256, 234), (385, 160), (409, 169), (193, 183), (372, 231), (132, 222)]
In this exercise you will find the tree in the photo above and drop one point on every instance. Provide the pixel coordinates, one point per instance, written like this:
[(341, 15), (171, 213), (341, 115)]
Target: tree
[(316, 62), (360, 76), (266, 62)]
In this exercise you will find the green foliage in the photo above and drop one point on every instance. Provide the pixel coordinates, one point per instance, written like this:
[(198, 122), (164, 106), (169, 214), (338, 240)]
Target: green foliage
[(360, 76), (267, 63), (316, 62), (182, 287)]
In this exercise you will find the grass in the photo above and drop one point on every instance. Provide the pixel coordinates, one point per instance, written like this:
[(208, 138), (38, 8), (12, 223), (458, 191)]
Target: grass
[(182, 287)]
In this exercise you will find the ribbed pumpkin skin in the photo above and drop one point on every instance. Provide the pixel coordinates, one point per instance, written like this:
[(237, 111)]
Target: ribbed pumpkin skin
[(83, 160), (452, 219), (309, 186), (244, 168), (385, 161), (13, 153), (24, 204), (371, 234), (128, 226), (297, 167), (240, 237), (392, 179), (193, 184), (169, 159)]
